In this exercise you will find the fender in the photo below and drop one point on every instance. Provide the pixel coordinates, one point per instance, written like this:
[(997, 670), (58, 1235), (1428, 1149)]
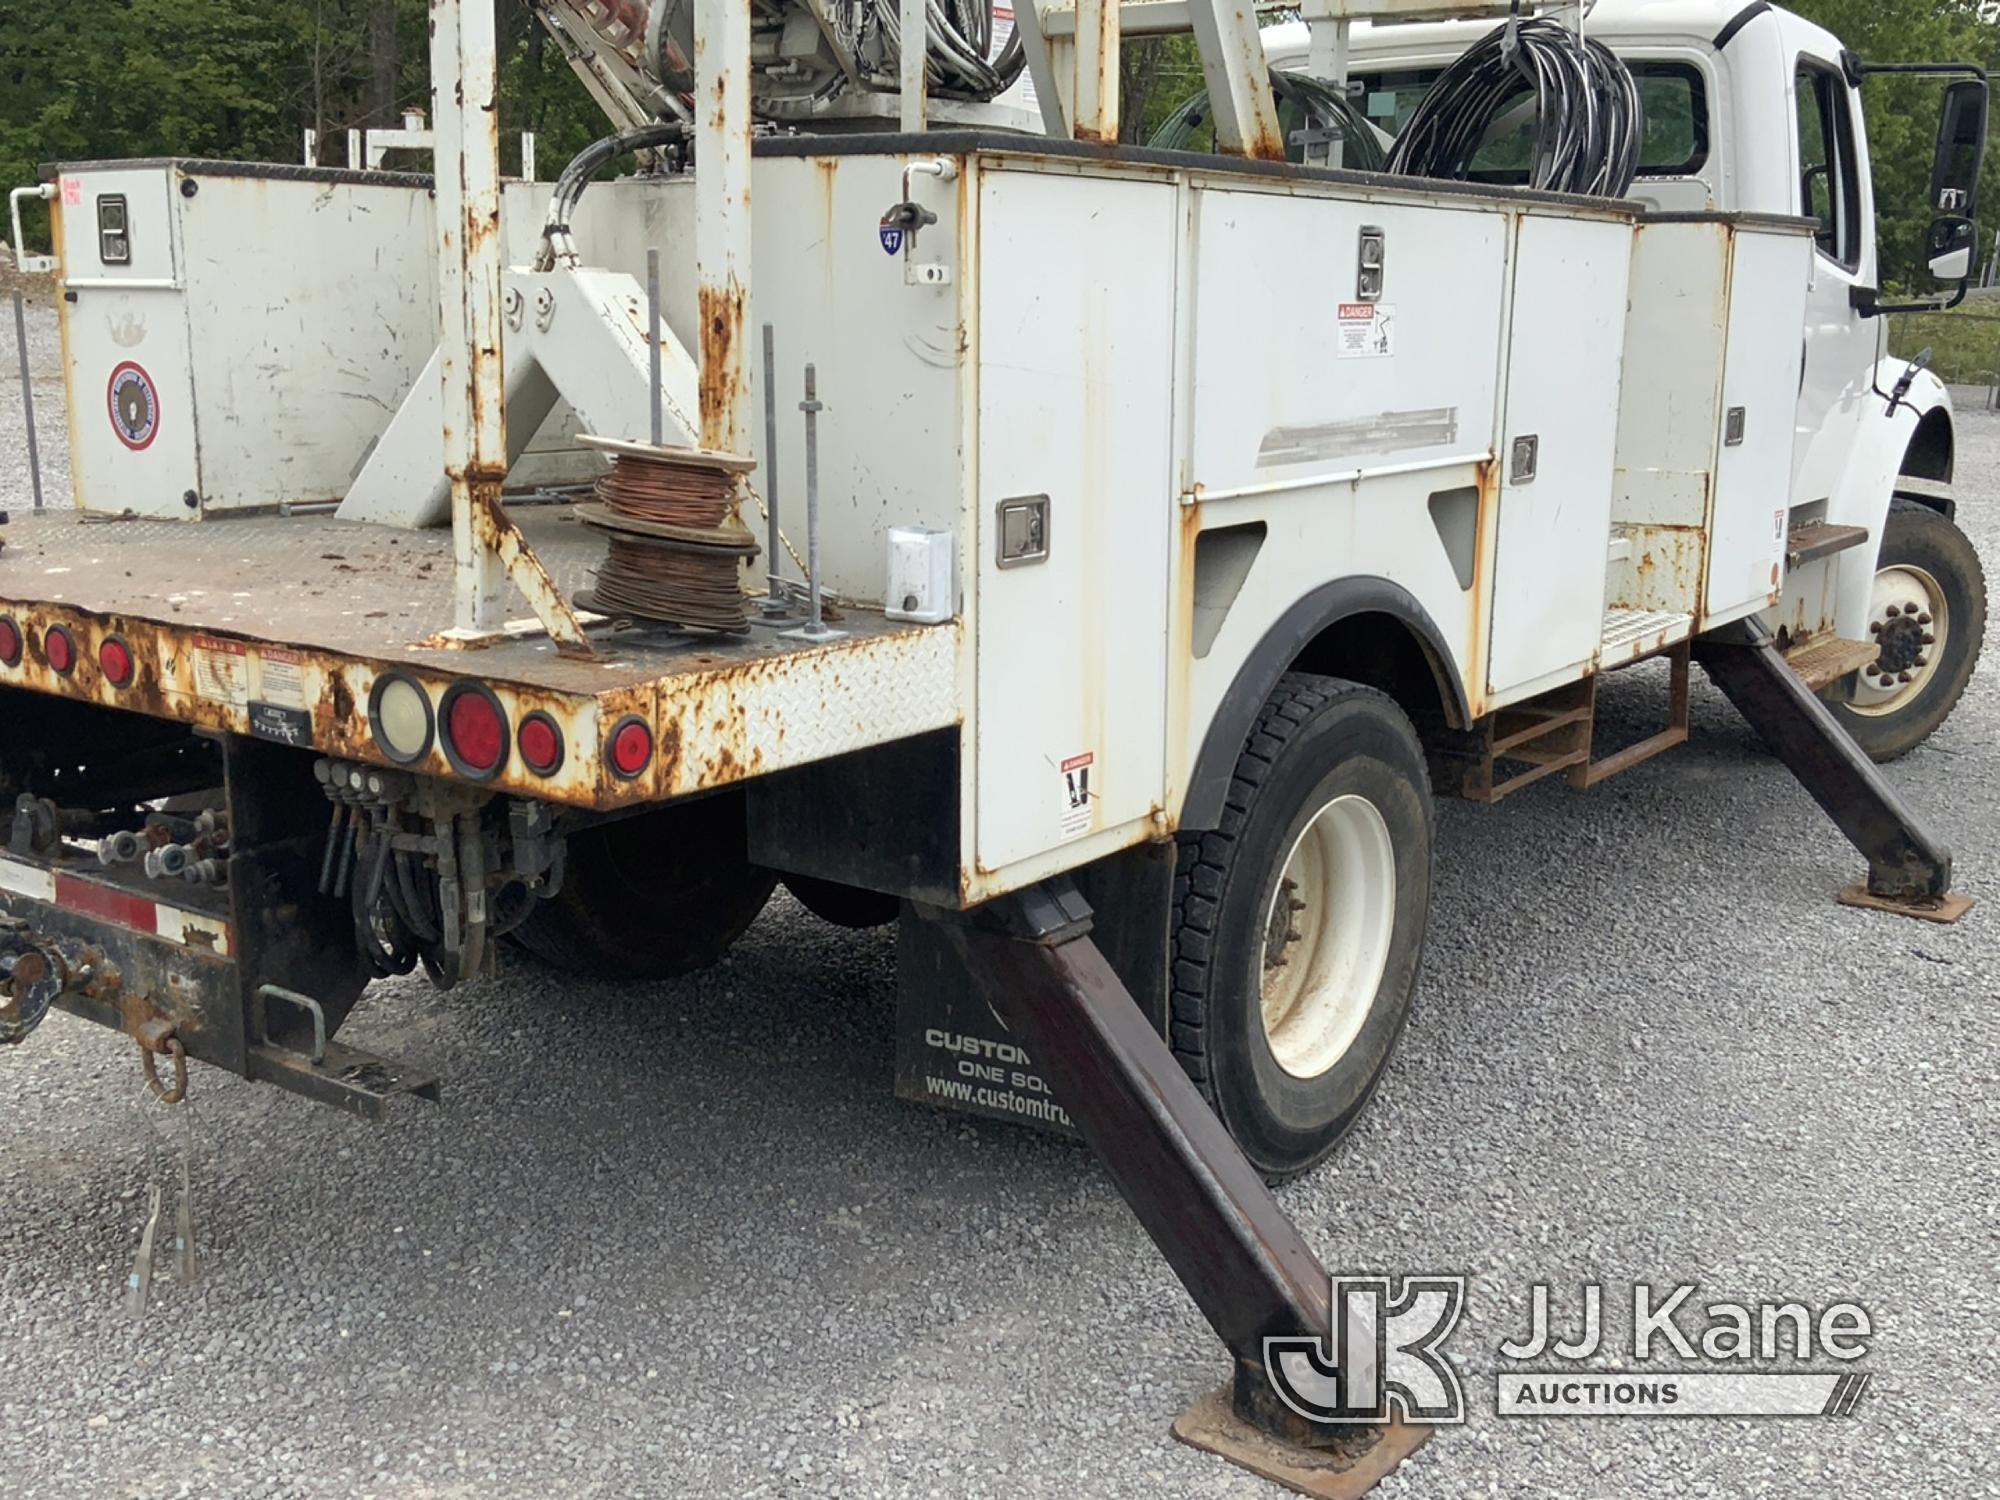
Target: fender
[(1274, 655), (1874, 464)]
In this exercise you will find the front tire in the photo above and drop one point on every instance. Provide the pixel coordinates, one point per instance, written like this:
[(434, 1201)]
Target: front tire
[(1298, 924), (1928, 613)]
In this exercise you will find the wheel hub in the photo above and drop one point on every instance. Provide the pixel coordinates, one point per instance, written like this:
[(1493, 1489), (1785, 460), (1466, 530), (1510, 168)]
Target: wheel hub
[(1327, 934), (1908, 621)]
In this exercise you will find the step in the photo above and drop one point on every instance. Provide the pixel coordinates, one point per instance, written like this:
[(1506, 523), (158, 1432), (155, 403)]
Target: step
[(1824, 660), (1812, 540), (1624, 627)]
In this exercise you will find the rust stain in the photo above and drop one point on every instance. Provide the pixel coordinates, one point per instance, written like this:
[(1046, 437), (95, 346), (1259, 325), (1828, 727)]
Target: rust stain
[(722, 374)]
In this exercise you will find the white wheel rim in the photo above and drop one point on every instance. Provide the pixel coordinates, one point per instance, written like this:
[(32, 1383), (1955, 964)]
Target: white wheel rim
[(1326, 935), (1909, 619)]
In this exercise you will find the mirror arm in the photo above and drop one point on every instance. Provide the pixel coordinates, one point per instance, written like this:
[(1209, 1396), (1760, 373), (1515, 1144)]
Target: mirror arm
[(1863, 300)]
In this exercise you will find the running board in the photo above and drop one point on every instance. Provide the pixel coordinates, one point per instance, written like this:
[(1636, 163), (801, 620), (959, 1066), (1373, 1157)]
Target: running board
[(1909, 870), (1811, 540), (1205, 1207)]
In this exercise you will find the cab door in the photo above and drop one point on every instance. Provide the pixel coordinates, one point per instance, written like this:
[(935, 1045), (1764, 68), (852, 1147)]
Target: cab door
[(1830, 174)]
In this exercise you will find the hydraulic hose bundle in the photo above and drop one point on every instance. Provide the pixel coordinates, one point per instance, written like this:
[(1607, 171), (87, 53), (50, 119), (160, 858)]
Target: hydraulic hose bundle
[(1587, 119)]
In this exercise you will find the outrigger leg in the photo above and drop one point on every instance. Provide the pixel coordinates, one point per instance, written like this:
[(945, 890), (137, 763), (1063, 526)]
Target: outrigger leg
[(1242, 1260), (1909, 870)]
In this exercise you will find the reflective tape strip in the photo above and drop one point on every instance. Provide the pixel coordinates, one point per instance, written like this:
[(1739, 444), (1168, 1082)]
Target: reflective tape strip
[(27, 880), (190, 929)]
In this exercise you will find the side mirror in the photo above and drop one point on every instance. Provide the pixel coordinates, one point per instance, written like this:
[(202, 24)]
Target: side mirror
[(1949, 246), (1961, 146)]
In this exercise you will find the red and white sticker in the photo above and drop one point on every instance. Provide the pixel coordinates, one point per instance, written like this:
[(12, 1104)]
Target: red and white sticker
[(1077, 792), (1365, 330), (281, 677), (114, 904), (222, 670), (135, 406), (72, 192)]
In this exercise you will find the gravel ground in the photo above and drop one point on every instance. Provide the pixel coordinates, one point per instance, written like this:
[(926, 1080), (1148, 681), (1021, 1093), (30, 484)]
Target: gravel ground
[(679, 1240)]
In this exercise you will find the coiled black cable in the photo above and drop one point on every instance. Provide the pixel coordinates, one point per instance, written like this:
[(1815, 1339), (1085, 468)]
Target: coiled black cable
[(1587, 119)]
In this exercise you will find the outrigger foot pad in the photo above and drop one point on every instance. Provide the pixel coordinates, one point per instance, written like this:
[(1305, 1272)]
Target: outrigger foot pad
[(1945, 909), (1349, 1464)]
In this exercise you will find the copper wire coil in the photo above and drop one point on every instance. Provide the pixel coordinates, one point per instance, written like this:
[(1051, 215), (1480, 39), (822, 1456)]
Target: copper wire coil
[(678, 494), (679, 583)]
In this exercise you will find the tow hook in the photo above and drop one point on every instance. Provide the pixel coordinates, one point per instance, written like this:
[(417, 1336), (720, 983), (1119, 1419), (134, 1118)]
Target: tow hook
[(156, 1039)]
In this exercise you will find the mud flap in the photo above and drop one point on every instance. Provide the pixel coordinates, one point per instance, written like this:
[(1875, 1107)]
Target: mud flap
[(952, 1049)]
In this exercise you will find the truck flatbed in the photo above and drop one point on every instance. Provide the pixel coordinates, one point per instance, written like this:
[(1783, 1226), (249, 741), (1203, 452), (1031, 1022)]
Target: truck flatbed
[(303, 612)]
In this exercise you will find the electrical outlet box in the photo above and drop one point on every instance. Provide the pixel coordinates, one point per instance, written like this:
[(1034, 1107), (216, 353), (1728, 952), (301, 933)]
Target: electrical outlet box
[(919, 586)]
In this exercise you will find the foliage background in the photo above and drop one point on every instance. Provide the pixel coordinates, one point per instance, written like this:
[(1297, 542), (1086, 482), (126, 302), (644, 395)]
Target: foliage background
[(246, 78)]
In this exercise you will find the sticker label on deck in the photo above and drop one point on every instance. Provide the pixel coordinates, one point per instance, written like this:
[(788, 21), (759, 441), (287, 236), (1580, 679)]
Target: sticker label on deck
[(1076, 794), (288, 726), (1365, 330), (222, 670), (281, 677)]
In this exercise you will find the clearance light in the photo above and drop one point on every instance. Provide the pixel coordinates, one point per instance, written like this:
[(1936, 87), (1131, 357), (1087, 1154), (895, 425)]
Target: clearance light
[(540, 741), (475, 730), (399, 716), (10, 643), (114, 659), (60, 649), (631, 747)]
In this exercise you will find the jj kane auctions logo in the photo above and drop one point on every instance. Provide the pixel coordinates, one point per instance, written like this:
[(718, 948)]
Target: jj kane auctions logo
[(1383, 1356)]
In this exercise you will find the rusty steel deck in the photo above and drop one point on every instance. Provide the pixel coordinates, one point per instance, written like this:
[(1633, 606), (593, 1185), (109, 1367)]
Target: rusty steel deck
[(254, 623)]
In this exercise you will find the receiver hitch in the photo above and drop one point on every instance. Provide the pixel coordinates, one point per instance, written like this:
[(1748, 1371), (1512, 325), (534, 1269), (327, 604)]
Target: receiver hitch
[(1243, 1261)]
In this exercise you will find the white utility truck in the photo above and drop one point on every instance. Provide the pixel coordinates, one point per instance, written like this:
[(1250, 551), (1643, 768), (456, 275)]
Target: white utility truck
[(1113, 643)]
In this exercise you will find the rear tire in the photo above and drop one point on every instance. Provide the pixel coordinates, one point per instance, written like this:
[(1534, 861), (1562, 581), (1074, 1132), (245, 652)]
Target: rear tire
[(1929, 614), (648, 897), (843, 905), (1298, 923)]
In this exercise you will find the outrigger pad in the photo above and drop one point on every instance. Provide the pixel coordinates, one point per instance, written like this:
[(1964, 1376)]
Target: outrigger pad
[(1339, 1472), (1946, 908)]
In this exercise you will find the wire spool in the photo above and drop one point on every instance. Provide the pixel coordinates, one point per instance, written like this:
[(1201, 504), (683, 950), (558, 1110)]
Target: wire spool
[(675, 541), (1587, 123)]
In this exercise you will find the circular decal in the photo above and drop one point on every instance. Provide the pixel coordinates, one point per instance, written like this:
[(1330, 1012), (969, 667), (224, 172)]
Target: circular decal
[(135, 407)]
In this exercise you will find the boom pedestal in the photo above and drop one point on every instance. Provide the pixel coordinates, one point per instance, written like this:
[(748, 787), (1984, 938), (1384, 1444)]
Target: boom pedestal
[(1242, 1260), (1909, 870)]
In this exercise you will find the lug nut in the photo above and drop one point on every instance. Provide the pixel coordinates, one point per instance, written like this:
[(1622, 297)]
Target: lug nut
[(1874, 627), (1923, 619), (1902, 677)]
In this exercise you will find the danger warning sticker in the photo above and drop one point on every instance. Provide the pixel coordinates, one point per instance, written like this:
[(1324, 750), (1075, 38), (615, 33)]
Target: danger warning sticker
[(222, 670), (1076, 794), (281, 677), (1365, 330)]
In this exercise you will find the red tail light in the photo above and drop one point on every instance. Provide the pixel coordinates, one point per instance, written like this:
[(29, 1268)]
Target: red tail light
[(540, 741), (114, 659), (631, 747), (475, 730), (10, 643), (60, 649)]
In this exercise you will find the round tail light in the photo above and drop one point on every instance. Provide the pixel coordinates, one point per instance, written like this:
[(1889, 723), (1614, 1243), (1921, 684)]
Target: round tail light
[(10, 643), (540, 741), (631, 747), (114, 659), (399, 716), (475, 730), (60, 649)]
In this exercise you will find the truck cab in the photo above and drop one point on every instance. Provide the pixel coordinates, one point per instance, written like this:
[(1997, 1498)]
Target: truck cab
[(1751, 109)]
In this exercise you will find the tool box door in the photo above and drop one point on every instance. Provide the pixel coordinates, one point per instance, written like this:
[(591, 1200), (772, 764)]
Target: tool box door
[(1075, 381)]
